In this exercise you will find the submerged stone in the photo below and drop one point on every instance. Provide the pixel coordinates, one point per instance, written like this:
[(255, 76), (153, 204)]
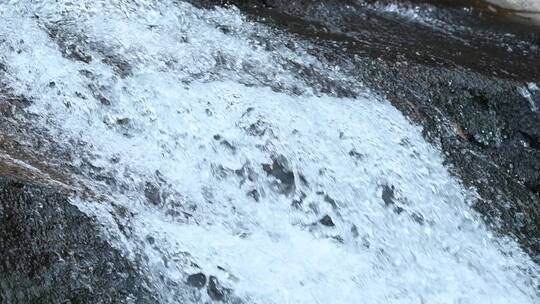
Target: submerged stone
[(279, 170), (197, 280), (216, 291), (327, 221)]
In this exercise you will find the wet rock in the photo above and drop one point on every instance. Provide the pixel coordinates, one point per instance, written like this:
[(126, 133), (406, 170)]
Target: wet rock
[(389, 199), (104, 101), (258, 128), (220, 172), (119, 65), (86, 73), (53, 253), (338, 238), (279, 170), (353, 153), (123, 121), (418, 218), (299, 200), (70, 44), (246, 173), (80, 95), (74, 52), (228, 146), (354, 231), (324, 84), (197, 280), (303, 180), (216, 291), (388, 195), (10, 102), (330, 201), (327, 221), (531, 140), (152, 193), (254, 194)]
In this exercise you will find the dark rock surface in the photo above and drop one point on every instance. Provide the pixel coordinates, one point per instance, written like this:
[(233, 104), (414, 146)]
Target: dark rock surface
[(197, 280), (459, 74), (53, 253), (457, 69), (216, 291), (284, 176), (327, 221)]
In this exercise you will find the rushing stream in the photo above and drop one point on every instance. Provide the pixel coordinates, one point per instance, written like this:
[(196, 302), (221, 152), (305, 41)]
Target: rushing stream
[(205, 150)]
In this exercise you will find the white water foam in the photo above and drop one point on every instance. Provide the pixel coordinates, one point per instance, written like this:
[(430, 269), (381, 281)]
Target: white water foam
[(191, 118)]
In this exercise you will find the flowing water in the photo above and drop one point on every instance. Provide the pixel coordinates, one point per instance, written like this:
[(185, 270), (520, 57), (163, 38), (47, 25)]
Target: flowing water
[(220, 158)]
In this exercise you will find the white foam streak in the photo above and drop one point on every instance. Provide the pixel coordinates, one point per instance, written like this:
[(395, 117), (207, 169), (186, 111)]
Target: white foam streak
[(182, 112)]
